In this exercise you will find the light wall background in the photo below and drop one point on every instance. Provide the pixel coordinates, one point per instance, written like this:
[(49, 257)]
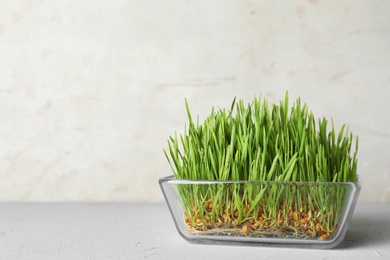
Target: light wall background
[(90, 91)]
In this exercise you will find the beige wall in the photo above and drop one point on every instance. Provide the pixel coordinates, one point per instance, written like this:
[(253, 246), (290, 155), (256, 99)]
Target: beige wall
[(91, 90)]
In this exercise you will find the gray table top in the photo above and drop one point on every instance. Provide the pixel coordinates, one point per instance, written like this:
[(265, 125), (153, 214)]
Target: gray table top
[(146, 231)]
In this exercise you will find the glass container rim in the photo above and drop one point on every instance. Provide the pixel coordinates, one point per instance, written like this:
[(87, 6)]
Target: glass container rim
[(171, 179)]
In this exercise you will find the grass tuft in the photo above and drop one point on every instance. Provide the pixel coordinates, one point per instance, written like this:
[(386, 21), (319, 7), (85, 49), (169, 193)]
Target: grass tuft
[(284, 149)]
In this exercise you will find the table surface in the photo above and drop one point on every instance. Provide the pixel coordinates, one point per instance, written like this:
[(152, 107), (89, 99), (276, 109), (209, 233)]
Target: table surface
[(146, 231)]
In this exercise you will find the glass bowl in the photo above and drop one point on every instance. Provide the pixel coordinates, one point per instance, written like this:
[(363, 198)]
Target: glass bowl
[(297, 214)]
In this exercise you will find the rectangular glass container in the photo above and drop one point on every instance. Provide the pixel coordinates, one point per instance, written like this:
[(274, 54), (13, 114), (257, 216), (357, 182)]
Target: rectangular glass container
[(298, 214)]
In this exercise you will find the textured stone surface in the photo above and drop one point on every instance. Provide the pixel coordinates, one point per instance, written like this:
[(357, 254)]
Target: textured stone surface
[(146, 231), (91, 90)]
